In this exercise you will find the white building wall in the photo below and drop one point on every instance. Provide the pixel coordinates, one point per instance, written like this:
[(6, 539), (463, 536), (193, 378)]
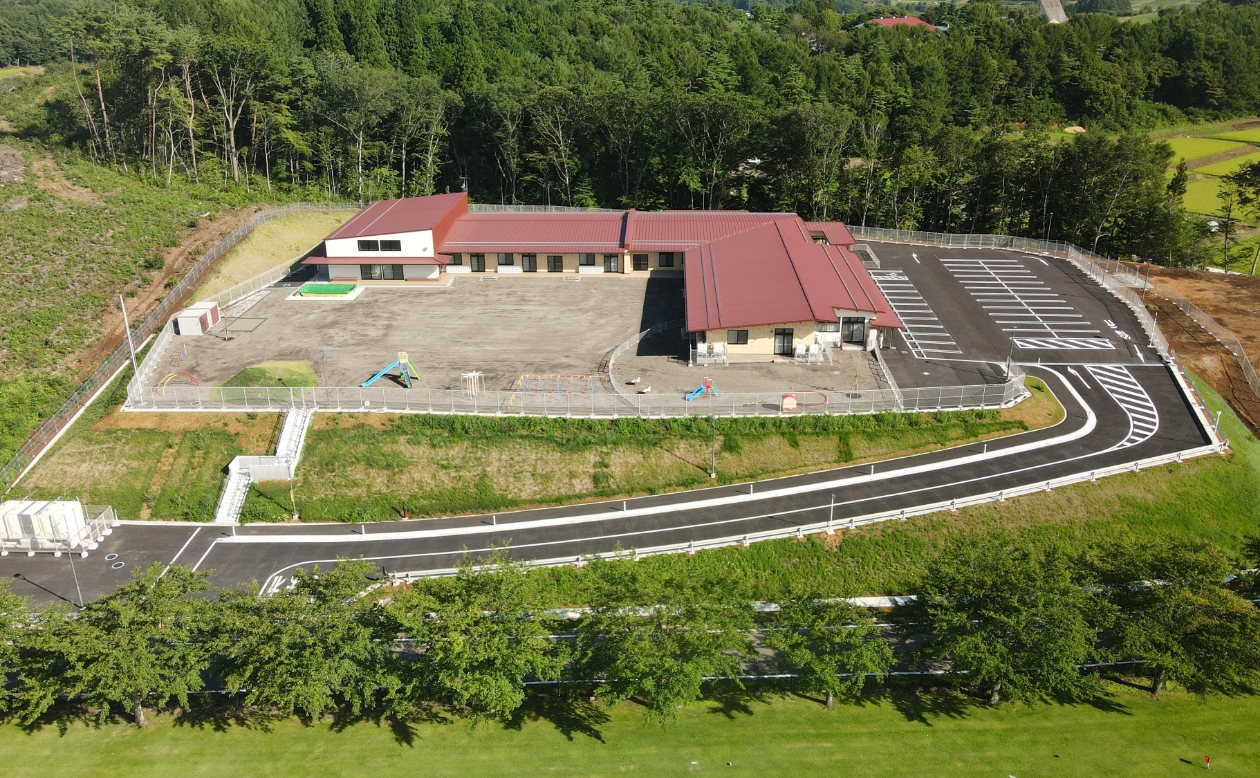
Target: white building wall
[(414, 244), (419, 272)]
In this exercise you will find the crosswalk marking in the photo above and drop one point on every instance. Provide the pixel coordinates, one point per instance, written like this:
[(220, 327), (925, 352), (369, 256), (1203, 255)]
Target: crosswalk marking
[(1063, 343), (923, 333), (1137, 404)]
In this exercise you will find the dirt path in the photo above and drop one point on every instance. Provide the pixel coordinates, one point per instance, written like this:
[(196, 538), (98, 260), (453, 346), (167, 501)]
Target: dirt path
[(1223, 156), (193, 242)]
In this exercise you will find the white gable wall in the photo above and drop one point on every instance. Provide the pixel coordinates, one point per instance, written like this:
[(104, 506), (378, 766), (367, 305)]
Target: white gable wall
[(414, 244)]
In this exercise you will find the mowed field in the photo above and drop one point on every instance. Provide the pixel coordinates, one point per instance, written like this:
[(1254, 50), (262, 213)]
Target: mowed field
[(270, 245), (1210, 152), (1124, 733)]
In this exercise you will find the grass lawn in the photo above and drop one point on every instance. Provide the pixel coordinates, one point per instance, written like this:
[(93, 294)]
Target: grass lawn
[(283, 373), (1125, 733), (270, 245), (1229, 165), (1245, 136), (1191, 149), (369, 467), (148, 465)]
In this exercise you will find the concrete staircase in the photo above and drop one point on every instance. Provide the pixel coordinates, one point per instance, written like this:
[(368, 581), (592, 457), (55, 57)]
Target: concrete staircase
[(245, 470)]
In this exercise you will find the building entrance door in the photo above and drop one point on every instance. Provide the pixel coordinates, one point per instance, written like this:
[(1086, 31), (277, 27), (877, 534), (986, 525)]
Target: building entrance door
[(783, 341), (853, 330), (612, 263)]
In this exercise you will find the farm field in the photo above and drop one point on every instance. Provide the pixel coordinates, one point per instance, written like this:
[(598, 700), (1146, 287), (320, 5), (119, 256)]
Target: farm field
[(1190, 149), (1245, 136), (1201, 195), (1124, 733)]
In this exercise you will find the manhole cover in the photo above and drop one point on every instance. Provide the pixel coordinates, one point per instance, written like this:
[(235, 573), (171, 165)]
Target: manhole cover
[(111, 557), (117, 565)]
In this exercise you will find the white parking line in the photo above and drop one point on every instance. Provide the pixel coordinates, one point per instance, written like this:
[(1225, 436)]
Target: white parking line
[(1035, 315), (924, 333)]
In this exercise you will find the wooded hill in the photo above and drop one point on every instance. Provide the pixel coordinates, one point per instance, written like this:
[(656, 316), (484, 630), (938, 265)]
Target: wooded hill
[(654, 104)]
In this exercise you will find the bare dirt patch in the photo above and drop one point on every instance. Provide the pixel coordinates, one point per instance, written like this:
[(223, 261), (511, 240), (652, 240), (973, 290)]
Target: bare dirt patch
[(50, 178), (1233, 300), (12, 165)]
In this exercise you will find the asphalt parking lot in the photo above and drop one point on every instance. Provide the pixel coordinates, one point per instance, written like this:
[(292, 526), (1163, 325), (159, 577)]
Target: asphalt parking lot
[(967, 310)]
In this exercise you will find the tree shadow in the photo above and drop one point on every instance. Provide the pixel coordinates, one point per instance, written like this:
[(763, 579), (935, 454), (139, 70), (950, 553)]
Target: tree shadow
[(735, 702), (569, 715), (401, 727), (220, 715), (921, 705)]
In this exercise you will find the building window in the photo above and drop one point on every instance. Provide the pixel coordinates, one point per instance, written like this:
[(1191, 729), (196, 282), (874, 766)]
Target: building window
[(369, 245), (783, 341), (828, 326), (457, 259), (665, 259), (477, 262), (640, 261), (612, 263), (737, 337), (555, 263), (391, 245), (529, 263), (381, 272), (507, 259), (853, 330), (586, 259)]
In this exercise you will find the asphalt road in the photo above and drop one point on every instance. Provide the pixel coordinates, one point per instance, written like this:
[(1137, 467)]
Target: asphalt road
[(1122, 404)]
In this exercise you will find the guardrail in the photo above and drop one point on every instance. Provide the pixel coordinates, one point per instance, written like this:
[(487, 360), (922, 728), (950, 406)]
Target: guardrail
[(576, 405), (830, 526), (1111, 274), (53, 425)]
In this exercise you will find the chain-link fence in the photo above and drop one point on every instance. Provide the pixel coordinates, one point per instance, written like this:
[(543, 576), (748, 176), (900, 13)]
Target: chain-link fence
[(1112, 274), (575, 404), (51, 427), (1228, 339)]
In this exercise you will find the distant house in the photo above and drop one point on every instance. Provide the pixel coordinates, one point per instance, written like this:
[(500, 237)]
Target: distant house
[(908, 21), (759, 283)]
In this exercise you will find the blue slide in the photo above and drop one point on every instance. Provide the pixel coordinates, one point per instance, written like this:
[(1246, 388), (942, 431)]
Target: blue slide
[(699, 390)]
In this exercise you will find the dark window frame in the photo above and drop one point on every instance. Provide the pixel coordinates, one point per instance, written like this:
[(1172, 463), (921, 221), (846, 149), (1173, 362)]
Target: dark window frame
[(555, 263), (391, 245), (529, 263), (612, 263), (369, 245), (640, 261), (586, 260), (456, 259), (846, 329), (506, 259), (665, 259), (737, 337), (477, 262)]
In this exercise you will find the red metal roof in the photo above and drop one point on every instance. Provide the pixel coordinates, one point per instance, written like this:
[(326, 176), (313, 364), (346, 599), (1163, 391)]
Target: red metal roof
[(410, 214), (909, 21), (682, 230), (775, 274), (322, 260), (558, 233), (835, 232)]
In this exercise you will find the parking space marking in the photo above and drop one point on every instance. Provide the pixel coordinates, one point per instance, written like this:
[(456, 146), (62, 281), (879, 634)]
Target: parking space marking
[(1137, 404), (923, 333), (1023, 305)]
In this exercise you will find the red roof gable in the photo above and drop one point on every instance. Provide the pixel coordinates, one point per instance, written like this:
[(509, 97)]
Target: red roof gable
[(681, 230), (835, 232), (410, 214), (775, 274), (909, 21)]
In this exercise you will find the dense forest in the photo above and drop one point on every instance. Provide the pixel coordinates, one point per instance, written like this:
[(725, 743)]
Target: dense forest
[(654, 104)]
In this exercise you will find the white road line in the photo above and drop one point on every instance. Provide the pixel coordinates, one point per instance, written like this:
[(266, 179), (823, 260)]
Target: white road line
[(181, 550), (915, 314), (1132, 397)]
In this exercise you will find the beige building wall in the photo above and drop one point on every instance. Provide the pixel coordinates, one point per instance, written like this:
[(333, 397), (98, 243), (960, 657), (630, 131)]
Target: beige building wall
[(761, 339)]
